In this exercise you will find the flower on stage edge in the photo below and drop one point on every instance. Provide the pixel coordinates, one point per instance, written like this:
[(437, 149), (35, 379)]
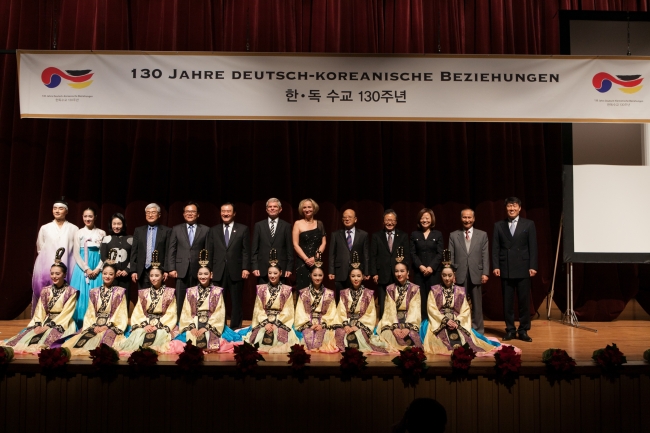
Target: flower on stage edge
[(508, 361), (246, 357), (191, 357), (6, 355), (298, 357), (610, 358), (352, 361), (461, 358), (558, 361), (52, 360), (412, 361), (144, 357), (104, 356)]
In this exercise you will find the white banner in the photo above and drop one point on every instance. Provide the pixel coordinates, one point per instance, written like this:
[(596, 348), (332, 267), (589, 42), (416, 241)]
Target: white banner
[(163, 85)]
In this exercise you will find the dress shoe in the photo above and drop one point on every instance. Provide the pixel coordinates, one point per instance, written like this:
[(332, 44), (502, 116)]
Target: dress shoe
[(509, 336), (523, 336)]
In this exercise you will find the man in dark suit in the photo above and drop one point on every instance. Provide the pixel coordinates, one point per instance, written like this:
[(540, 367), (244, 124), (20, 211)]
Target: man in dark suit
[(186, 241), (471, 258), (514, 255), (383, 252), (228, 245), (272, 233), (147, 239), (342, 243)]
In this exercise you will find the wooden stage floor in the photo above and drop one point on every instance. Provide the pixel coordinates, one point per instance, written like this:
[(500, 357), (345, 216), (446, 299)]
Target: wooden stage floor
[(632, 338)]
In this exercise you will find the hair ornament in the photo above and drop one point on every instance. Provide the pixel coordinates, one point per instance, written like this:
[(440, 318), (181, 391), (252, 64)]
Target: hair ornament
[(273, 257), (400, 255), (318, 259), (155, 263), (356, 263), (446, 259), (58, 255), (112, 256), (203, 257)]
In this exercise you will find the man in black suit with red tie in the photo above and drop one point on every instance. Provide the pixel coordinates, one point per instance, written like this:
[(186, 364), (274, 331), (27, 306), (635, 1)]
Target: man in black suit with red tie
[(146, 240), (342, 243), (383, 252), (227, 246), (186, 241), (272, 232), (514, 257)]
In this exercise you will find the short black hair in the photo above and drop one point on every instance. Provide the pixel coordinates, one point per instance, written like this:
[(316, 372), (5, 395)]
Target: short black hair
[(192, 203), (109, 265), (63, 267), (511, 200), (229, 204), (120, 217), (389, 211)]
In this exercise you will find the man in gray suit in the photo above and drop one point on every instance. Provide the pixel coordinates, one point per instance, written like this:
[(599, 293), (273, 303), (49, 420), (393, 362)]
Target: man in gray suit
[(342, 243), (272, 232), (186, 241), (471, 258)]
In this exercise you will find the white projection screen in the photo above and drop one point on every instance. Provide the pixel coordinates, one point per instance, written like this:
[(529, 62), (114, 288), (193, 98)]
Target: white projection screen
[(606, 166)]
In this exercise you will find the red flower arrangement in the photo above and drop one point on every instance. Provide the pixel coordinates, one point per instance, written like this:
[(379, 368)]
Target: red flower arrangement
[(52, 360), (143, 358), (610, 358), (508, 361), (246, 357), (298, 357), (352, 361), (461, 358), (558, 361), (104, 356), (191, 357), (6, 355)]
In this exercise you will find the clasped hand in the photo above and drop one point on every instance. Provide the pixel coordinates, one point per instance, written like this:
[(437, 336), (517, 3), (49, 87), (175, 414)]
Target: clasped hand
[(270, 327)]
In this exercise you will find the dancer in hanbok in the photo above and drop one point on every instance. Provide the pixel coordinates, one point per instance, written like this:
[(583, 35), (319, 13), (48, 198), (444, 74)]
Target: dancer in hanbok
[(56, 234), (88, 263), (357, 315), (273, 315), (203, 317), (400, 325), (450, 318), (316, 312), (53, 314), (107, 315), (154, 315)]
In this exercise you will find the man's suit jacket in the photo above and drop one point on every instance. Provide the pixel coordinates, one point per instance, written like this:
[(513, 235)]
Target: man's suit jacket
[(139, 247), (340, 256), (182, 257), (514, 255), (263, 242), (382, 260), (477, 260), (233, 258)]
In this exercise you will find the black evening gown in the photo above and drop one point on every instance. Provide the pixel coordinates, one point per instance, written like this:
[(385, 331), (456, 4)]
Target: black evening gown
[(309, 241)]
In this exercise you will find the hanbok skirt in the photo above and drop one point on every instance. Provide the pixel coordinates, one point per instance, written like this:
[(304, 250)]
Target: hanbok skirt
[(20, 342), (41, 275), (363, 342), (79, 282), (281, 343), (107, 337), (137, 337)]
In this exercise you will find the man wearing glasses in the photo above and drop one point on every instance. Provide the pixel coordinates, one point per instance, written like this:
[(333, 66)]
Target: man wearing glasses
[(186, 242), (147, 239)]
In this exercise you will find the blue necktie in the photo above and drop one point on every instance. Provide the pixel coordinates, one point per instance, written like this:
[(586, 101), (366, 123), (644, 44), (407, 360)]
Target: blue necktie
[(147, 263), (227, 235), (349, 239), (191, 234)]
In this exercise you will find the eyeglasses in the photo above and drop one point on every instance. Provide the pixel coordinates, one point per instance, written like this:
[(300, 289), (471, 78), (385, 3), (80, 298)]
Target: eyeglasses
[(190, 212), (151, 212)]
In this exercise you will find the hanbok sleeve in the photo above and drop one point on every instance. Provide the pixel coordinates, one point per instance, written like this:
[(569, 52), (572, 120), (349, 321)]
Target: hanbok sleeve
[(342, 314), (169, 319), (330, 318), (389, 320), (217, 320), (100, 265), (77, 254), (90, 318), (414, 314), (120, 318), (259, 315), (65, 316), (40, 240), (187, 321), (138, 318), (369, 319), (302, 319), (286, 316), (436, 318), (39, 315), (464, 319)]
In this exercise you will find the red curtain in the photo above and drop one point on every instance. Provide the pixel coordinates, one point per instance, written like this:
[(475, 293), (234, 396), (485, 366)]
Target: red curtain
[(121, 165)]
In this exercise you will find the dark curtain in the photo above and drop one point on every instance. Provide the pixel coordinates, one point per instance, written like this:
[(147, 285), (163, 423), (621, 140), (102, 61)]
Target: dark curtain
[(121, 165)]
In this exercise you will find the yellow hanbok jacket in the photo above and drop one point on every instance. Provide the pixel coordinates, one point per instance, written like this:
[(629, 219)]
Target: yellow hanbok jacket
[(402, 310), (317, 307), (273, 305), (204, 308)]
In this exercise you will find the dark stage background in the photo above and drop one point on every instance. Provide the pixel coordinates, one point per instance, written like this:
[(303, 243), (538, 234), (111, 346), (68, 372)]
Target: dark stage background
[(121, 165)]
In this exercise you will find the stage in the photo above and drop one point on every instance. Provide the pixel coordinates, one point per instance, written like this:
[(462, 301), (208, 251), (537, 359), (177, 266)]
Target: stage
[(274, 400)]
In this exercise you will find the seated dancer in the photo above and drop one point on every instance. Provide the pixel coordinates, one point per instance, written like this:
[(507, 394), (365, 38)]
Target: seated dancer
[(357, 315), (203, 317), (316, 312), (107, 315), (272, 322), (400, 325), (53, 314), (154, 315), (450, 318)]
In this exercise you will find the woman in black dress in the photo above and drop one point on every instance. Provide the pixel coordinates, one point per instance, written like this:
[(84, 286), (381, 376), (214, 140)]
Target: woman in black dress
[(308, 236), (117, 238), (426, 254)]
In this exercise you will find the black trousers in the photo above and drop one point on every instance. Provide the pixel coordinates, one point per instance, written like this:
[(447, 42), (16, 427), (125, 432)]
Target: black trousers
[(521, 288), (425, 284), (341, 285), (236, 298), (182, 284), (475, 294), (143, 281), (381, 296)]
